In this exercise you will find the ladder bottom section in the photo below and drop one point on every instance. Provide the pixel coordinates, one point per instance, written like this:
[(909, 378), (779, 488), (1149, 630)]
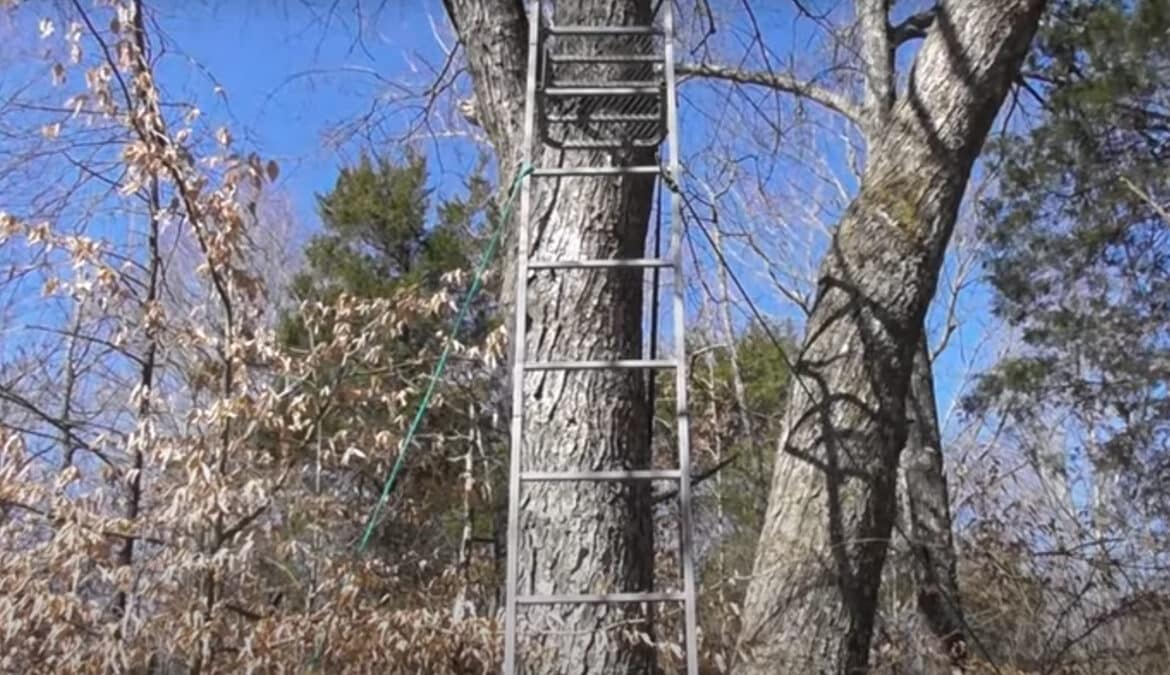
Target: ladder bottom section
[(600, 598)]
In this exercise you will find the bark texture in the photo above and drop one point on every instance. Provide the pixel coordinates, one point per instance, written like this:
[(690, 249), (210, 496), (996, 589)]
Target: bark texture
[(877, 60), (932, 546), (810, 605), (587, 537)]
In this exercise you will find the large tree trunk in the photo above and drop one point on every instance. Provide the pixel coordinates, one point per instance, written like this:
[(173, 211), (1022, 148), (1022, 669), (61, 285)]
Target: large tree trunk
[(932, 547), (933, 640), (589, 537), (811, 602)]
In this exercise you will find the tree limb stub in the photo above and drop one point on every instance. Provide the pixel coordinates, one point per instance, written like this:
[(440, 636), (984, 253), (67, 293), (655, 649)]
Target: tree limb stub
[(913, 28)]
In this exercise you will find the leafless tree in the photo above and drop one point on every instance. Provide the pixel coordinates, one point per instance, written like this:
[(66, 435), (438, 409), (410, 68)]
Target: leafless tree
[(812, 600)]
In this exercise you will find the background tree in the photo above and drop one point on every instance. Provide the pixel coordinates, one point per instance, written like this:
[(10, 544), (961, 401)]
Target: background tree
[(1077, 234), (382, 237), (734, 445), (1078, 262), (186, 426), (812, 600)]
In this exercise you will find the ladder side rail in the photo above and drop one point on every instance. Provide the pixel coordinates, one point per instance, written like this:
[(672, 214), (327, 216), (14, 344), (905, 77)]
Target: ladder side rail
[(690, 628), (519, 338)]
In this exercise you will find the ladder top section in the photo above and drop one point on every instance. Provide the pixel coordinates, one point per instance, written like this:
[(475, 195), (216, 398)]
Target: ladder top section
[(602, 263), (567, 171), (602, 31), (605, 89)]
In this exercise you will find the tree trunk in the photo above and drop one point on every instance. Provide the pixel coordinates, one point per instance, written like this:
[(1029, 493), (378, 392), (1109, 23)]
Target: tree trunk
[(811, 602), (463, 607), (589, 537), (928, 518)]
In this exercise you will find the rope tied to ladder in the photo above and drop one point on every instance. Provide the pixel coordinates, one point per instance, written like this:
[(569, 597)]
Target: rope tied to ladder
[(441, 365)]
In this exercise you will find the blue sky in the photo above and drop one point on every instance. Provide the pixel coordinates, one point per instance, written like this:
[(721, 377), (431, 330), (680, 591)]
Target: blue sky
[(289, 77), (282, 74)]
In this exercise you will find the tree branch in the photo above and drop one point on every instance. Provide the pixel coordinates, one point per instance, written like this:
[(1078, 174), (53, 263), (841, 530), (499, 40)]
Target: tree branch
[(66, 427), (877, 59), (58, 520), (1162, 211), (696, 478), (246, 613), (832, 100), (913, 28)]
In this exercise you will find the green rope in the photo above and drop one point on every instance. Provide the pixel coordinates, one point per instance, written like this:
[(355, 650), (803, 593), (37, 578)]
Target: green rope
[(425, 403)]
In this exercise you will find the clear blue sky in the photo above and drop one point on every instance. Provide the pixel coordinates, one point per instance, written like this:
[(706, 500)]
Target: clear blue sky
[(290, 72), (289, 77)]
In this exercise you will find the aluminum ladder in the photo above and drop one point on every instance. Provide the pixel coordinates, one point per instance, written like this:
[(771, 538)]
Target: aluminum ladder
[(641, 114)]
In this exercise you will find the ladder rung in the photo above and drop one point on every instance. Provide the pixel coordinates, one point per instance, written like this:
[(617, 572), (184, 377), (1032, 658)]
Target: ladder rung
[(561, 171), (604, 30), (615, 144), (623, 364), (652, 84), (566, 476), (604, 90), (602, 117), (605, 58), (599, 598), (640, 263)]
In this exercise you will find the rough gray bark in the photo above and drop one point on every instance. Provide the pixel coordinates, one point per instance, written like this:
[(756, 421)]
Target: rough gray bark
[(928, 517), (877, 60), (577, 538), (810, 605), (931, 639)]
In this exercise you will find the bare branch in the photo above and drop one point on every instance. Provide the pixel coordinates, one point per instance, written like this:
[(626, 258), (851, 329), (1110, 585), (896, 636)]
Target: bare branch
[(58, 519), (697, 478), (790, 84), (1145, 196), (66, 427)]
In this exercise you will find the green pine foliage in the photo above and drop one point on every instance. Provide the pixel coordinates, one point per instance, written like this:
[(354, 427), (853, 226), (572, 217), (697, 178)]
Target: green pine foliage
[(380, 235), (1079, 238), (765, 379), (385, 232)]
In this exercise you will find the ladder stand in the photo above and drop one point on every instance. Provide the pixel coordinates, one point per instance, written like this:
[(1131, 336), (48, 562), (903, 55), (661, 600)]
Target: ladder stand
[(601, 114)]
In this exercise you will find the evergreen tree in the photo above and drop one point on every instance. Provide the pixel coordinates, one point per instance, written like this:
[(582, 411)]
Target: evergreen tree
[(743, 488), (733, 449), (1079, 238), (382, 235), (379, 235)]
